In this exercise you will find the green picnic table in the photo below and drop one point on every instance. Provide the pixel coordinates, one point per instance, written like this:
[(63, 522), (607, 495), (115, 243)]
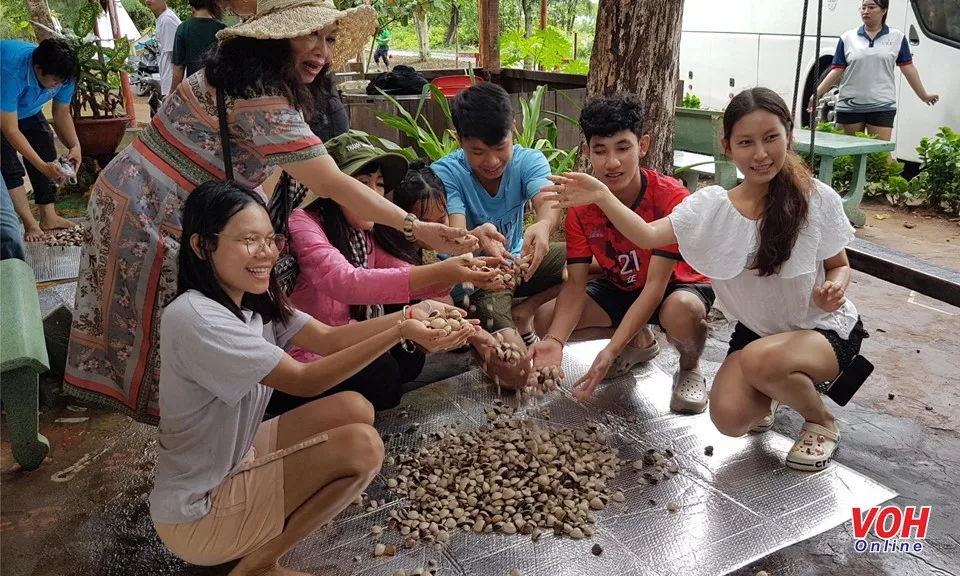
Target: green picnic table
[(829, 146)]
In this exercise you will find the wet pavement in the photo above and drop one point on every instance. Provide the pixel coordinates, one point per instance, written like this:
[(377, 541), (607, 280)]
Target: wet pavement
[(85, 512)]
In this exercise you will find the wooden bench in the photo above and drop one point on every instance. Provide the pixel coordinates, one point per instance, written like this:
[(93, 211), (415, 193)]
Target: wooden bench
[(23, 356), (829, 146), (697, 148)]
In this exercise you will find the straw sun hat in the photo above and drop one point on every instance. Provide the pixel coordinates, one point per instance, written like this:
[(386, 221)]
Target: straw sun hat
[(277, 19)]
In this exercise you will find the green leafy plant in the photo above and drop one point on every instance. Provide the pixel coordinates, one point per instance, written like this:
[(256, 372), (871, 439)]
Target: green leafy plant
[(416, 126), (98, 91), (939, 175), (547, 47), (576, 67), (15, 21), (879, 167), (691, 101), (541, 133)]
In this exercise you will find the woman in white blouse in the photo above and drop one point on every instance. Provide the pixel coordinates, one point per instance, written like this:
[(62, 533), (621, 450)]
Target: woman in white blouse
[(774, 249)]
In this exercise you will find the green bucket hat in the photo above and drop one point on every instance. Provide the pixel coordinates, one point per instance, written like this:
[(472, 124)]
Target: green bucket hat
[(352, 152)]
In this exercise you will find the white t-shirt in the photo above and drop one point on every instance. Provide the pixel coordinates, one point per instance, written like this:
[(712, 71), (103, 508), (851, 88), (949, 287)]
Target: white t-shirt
[(719, 242), (167, 23), (211, 398)]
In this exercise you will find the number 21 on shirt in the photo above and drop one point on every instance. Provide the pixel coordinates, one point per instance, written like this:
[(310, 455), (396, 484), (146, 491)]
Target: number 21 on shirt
[(629, 266)]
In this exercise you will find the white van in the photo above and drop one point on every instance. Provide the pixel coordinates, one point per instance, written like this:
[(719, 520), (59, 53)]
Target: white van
[(729, 45)]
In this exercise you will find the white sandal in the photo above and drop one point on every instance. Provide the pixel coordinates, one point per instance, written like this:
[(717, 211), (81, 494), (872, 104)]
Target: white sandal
[(689, 392), (814, 449), (768, 420), (629, 357)]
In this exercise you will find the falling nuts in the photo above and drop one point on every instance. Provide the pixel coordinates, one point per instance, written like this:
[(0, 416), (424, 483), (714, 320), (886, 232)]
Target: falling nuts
[(376, 530), (673, 507), (762, 573), (379, 550), (597, 550), (708, 451)]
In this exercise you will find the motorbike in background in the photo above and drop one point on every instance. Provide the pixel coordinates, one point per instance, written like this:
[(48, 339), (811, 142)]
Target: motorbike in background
[(146, 76)]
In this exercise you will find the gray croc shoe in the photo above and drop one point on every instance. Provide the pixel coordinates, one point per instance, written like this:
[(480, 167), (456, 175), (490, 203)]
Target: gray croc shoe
[(768, 420), (629, 357), (689, 393)]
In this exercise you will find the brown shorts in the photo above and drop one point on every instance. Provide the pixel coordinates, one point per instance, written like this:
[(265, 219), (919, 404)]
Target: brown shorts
[(246, 509)]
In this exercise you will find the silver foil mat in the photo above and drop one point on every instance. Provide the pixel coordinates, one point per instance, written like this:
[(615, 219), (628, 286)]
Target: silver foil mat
[(52, 263), (735, 507)]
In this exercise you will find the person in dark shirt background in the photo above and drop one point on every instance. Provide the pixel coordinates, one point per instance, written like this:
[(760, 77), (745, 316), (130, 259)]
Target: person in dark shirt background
[(195, 38)]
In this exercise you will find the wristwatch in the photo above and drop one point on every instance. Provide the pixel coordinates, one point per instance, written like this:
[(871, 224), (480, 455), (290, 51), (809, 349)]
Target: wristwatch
[(408, 221)]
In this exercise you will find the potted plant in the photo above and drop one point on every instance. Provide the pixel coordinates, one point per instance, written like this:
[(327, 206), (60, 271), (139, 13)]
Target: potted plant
[(97, 106)]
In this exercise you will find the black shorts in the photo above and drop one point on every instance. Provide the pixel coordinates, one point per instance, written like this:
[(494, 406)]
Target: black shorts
[(616, 301), (878, 119), (845, 349), (37, 131)]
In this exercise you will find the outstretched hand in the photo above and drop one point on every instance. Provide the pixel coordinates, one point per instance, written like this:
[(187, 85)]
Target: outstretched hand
[(574, 189), (585, 386)]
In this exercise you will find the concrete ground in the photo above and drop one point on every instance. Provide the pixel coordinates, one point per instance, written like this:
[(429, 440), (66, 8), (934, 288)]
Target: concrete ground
[(85, 512)]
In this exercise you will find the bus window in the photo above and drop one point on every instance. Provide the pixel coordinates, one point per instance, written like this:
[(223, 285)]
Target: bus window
[(940, 18)]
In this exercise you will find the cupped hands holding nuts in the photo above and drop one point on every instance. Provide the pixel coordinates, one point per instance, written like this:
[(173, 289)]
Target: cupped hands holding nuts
[(437, 327)]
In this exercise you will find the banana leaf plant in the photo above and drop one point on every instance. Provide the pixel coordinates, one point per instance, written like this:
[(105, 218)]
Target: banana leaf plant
[(98, 94), (541, 133)]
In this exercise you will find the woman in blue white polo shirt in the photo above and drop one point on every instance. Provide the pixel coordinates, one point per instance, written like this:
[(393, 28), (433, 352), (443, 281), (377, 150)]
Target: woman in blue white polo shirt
[(864, 64)]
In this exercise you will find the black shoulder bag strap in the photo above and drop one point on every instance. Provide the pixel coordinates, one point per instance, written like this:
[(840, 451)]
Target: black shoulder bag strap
[(224, 135)]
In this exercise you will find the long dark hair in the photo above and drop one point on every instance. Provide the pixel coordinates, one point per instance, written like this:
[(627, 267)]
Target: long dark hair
[(206, 213), (337, 229), (788, 197), (249, 68), (419, 184)]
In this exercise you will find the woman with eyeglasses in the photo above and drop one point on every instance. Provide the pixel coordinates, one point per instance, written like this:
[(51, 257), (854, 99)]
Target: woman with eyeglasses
[(227, 486), (863, 65)]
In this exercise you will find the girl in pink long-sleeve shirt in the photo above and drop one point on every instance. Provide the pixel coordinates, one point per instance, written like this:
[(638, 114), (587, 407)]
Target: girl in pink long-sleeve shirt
[(350, 271)]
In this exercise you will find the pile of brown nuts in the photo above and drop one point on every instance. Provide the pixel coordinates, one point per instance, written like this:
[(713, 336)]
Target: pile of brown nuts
[(69, 237), (448, 320), (544, 380), (509, 476), (507, 351)]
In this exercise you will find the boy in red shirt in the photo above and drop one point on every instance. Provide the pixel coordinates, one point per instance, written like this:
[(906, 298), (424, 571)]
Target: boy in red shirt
[(638, 287)]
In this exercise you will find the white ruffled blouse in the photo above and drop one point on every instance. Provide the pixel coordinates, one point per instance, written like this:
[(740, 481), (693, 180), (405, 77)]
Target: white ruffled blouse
[(720, 243)]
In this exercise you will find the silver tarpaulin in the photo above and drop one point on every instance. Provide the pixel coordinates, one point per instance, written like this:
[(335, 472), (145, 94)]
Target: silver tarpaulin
[(735, 507)]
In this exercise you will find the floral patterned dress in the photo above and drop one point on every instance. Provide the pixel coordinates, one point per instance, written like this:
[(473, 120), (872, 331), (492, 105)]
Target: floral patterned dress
[(128, 270)]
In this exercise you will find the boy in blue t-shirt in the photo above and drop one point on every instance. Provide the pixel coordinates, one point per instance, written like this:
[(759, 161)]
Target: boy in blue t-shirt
[(489, 182)]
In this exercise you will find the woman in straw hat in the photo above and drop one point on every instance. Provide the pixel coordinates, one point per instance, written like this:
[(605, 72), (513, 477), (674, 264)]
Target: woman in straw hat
[(128, 269)]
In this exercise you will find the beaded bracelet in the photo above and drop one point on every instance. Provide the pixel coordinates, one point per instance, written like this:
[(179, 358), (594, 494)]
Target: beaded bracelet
[(408, 346)]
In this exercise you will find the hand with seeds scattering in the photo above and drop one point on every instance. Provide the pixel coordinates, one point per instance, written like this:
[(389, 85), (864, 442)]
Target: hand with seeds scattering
[(443, 238), (536, 241), (466, 269), (544, 353), (432, 339), (491, 242)]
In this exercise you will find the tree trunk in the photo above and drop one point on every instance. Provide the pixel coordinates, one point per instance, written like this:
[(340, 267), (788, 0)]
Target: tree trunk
[(422, 25), (527, 7), (40, 13), (572, 16), (490, 36), (636, 49), (453, 26)]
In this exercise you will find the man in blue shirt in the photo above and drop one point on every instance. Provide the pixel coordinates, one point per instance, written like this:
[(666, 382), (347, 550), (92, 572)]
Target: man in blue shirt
[(489, 182), (32, 76)]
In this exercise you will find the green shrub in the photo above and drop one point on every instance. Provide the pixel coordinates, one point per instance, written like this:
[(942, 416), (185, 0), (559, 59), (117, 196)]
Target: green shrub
[(691, 101), (939, 176)]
